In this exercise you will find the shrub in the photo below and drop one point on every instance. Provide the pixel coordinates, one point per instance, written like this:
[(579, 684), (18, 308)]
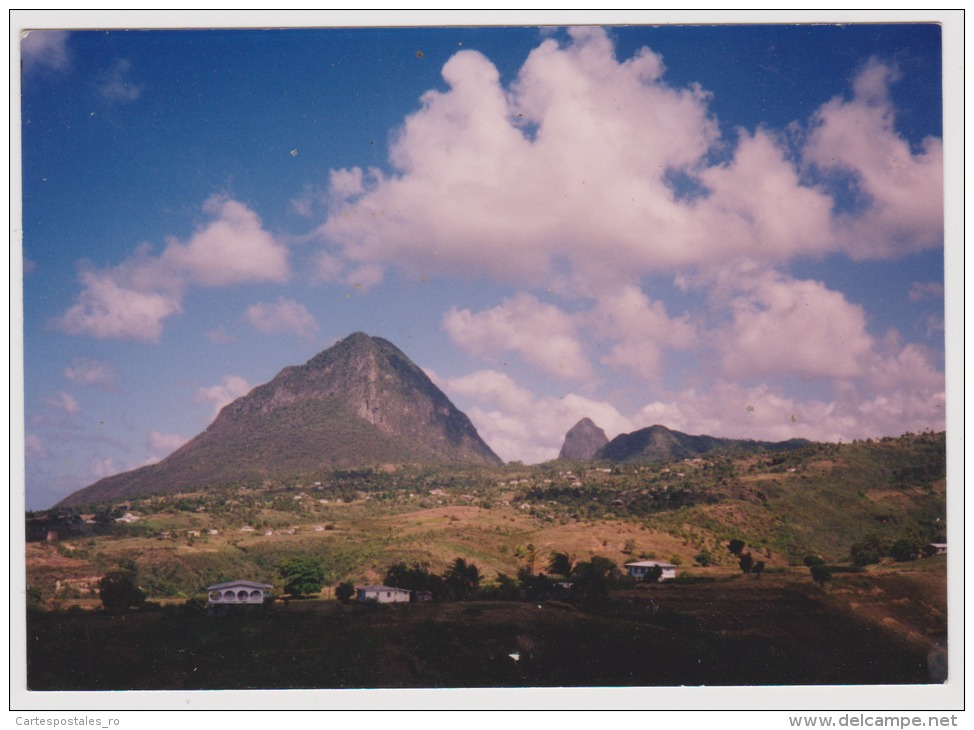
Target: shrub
[(118, 591)]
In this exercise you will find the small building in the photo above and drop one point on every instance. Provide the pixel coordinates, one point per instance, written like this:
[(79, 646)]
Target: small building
[(381, 594), (641, 567), (935, 548), (237, 593)]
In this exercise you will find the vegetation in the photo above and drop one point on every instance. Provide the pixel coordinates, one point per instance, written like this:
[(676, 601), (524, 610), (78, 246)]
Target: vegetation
[(119, 591), (302, 576)]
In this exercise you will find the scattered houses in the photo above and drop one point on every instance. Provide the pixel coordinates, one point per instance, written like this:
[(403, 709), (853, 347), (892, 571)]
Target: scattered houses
[(381, 594), (640, 568), (237, 593)]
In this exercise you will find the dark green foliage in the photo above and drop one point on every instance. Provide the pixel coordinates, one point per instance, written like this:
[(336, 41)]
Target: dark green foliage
[(736, 546), (904, 549), (703, 559), (867, 551), (654, 574), (414, 578), (811, 560), (119, 591), (821, 574), (345, 591), (561, 564), (758, 568), (593, 579), (746, 562), (302, 576), (461, 580)]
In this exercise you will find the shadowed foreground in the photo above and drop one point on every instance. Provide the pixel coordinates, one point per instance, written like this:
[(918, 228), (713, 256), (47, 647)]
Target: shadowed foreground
[(720, 634)]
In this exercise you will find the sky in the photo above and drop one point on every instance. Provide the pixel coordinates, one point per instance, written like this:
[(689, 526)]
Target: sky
[(732, 230)]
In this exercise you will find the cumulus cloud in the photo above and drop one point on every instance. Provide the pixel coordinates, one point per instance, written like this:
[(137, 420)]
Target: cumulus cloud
[(576, 176), (782, 326), (117, 83), (90, 373), (226, 391), (520, 426), (902, 189), (540, 333), (165, 443), (132, 300), (642, 331), (283, 316), (45, 49), (64, 402)]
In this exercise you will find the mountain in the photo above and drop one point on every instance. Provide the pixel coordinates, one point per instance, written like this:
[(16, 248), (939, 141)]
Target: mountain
[(583, 441), (658, 443), (359, 403)]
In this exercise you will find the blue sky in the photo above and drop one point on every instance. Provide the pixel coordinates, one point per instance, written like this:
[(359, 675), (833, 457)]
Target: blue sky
[(732, 230)]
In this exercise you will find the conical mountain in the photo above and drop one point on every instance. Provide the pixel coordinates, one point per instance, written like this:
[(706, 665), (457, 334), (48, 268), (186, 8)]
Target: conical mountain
[(583, 440), (359, 403)]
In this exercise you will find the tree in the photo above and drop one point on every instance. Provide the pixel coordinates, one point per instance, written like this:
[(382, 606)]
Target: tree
[(302, 576), (628, 548), (736, 546), (758, 568), (654, 574), (866, 551), (344, 592), (904, 549), (811, 560), (462, 579), (561, 564), (746, 562), (119, 591), (821, 574), (703, 559)]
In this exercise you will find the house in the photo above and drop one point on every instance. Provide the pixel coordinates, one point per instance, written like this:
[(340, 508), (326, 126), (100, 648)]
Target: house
[(935, 548), (237, 593), (381, 594), (640, 568)]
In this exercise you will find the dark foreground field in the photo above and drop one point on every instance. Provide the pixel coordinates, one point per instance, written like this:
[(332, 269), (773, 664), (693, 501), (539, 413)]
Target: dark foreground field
[(724, 633)]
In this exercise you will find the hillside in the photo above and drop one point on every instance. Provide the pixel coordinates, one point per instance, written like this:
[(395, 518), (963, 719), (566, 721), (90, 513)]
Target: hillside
[(362, 402), (659, 443)]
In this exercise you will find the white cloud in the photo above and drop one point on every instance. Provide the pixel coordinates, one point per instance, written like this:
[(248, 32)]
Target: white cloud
[(782, 326), (540, 333), (101, 468), (45, 49), (903, 210), (117, 84), (64, 402), (91, 374), (642, 330), (566, 178), (132, 300), (227, 391), (284, 316), (165, 443), (520, 426)]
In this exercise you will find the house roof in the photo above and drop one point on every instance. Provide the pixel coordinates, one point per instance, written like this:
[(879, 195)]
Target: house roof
[(380, 588), (649, 564), (239, 584)]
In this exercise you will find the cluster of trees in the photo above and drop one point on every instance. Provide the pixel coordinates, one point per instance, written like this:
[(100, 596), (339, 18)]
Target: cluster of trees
[(746, 561), (873, 548)]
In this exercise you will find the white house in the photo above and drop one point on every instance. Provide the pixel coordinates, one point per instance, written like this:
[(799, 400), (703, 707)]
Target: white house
[(237, 593), (382, 594), (640, 568)]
